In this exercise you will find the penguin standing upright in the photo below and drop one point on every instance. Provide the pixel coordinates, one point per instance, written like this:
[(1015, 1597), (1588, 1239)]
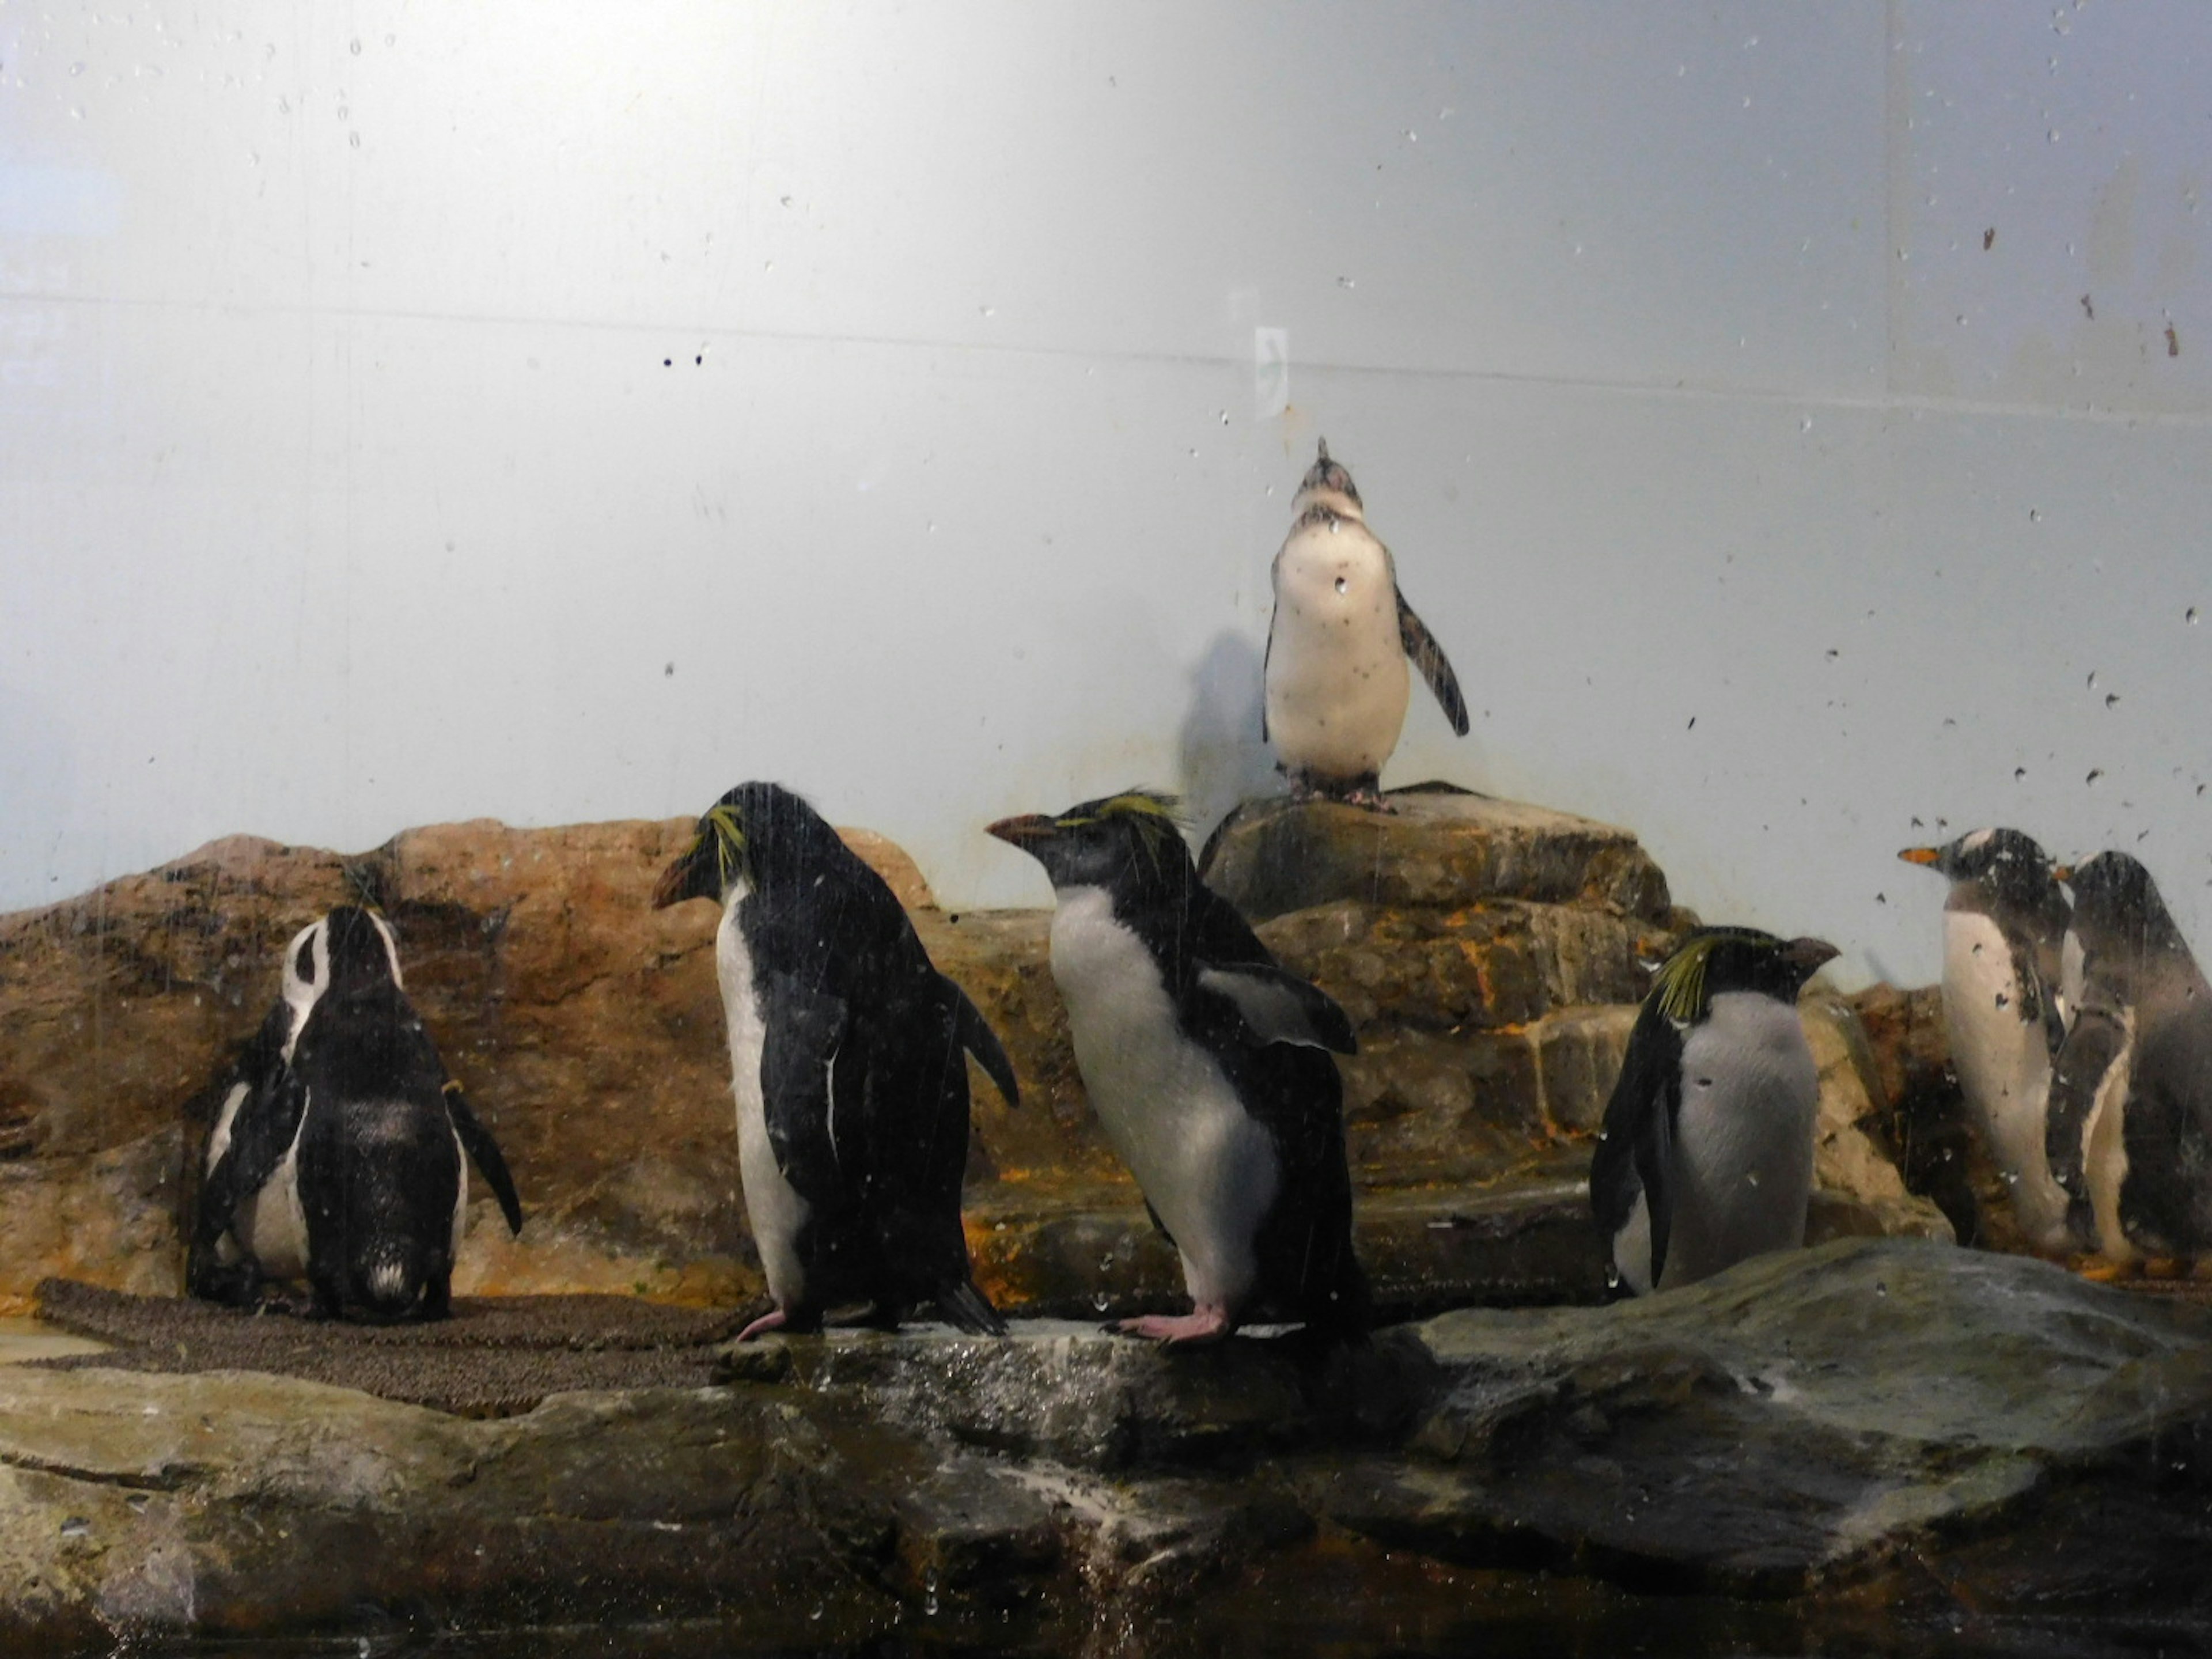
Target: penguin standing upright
[(1209, 1067), (338, 1151), (847, 1053), (2003, 926), (2131, 1108), (1706, 1156), (1335, 669)]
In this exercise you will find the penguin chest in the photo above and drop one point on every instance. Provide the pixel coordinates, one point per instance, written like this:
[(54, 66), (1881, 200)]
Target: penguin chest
[(1208, 1168), (274, 1221), (773, 1208), (1337, 682), (1743, 1137), (2003, 1062), (2105, 1148)]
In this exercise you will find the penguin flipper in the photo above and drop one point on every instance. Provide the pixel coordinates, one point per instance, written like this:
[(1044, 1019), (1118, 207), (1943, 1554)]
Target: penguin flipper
[(2078, 1076), (812, 1087), (484, 1152), (262, 1131), (1429, 657), (977, 1037), (1635, 1154), (1276, 1005), (1267, 655)]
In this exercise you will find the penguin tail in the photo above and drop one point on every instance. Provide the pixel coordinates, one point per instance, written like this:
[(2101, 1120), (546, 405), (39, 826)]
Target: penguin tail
[(965, 1307)]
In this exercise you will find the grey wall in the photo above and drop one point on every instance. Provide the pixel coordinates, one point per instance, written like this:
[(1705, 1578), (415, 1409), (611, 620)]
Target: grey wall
[(345, 487)]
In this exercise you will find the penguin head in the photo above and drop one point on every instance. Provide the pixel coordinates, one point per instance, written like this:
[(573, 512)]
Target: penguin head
[(2002, 863), (756, 833), (1713, 960), (349, 951), (1325, 479), (2117, 912), (1127, 842)]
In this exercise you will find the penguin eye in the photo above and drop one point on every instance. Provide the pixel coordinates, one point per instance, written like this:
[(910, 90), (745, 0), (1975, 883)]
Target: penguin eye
[(303, 961)]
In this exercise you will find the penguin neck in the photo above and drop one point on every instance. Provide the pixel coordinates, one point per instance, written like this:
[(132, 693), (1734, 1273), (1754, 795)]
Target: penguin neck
[(1335, 500)]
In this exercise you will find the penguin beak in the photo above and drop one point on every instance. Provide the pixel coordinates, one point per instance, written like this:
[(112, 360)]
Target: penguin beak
[(1024, 831), (1928, 856), (683, 878), (2062, 873), (1808, 956)]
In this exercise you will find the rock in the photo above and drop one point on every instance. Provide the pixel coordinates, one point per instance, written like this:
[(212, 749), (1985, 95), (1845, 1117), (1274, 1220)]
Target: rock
[(1850, 1160), (1437, 848)]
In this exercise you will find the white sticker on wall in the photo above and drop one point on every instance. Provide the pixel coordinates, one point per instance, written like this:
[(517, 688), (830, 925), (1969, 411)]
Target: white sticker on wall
[(1271, 373)]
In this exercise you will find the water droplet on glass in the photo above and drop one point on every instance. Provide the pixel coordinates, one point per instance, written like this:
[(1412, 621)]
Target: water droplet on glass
[(1342, 586), (2019, 773), (2035, 515), (1805, 425), (1101, 1301), (2095, 772), (2003, 1001), (76, 1526), (2189, 616), (354, 139), (2092, 679), (391, 39), (817, 1614), (77, 69), (1412, 137), (2111, 699), (1881, 1288), (354, 45)]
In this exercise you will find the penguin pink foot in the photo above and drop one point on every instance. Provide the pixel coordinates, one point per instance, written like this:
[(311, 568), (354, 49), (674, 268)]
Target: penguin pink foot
[(773, 1320), (1203, 1326)]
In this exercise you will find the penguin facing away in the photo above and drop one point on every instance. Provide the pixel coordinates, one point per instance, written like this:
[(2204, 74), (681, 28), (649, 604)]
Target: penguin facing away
[(338, 1152), (1336, 668), (1210, 1067), (1706, 1156), (2004, 925), (2130, 1108), (848, 1061)]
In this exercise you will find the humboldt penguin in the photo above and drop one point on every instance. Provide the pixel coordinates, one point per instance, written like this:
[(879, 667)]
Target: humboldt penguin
[(1209, 1068), (848, 1059), (2130, 1110), (1706, 1156), (338, 1151), (1335, 669), (2004, 925)]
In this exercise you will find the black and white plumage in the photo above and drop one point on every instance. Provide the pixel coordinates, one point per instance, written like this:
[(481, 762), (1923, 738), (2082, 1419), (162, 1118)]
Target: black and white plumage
[(2130, 1108), (1335, 669), (1706, 1156), (1210, 1067), (2003, 926), (848, 1060), (338, 1152)]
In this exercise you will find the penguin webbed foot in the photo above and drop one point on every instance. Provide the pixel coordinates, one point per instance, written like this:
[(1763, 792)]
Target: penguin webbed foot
[(1364, 792), (1202, 1328), (792, 1321)]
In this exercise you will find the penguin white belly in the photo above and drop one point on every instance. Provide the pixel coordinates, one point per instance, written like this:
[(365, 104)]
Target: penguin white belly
[(1337, 683), (276, 1222), (2105, 1148), (460, 1196), (1743, 1138), (2003, 1064), (1204, 1164), (773, 1207)]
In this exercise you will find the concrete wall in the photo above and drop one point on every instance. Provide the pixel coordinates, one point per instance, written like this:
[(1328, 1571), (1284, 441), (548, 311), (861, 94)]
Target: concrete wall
[(412, 413)]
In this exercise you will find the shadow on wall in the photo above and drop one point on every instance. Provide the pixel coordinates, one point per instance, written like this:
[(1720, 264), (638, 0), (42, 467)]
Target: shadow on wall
[(1223, 758)]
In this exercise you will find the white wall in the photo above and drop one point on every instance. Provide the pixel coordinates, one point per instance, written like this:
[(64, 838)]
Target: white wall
[(345, 487)]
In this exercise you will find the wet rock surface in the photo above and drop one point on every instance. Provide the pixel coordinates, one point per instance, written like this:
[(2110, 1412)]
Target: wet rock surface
[(1890, 1444)]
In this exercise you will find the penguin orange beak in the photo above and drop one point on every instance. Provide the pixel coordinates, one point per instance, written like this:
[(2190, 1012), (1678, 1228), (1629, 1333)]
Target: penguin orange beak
[(1019, 832), (1921, 854), (2062, 873), (1810, 954), (679, 882)]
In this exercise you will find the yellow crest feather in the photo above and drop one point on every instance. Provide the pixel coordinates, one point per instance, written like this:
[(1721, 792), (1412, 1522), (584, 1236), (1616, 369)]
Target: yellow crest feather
[(1678, 987)]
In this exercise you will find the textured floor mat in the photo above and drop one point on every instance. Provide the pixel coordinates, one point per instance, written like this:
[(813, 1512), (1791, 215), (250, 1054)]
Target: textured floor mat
[(496, 1355)]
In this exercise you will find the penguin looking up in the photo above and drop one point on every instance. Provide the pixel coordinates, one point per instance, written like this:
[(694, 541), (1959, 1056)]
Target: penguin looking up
[(1209, 1067), (2004, 927), (2131, 1108), (1335, 667), (848, 1059), (1706, 1156), (338, 1151)]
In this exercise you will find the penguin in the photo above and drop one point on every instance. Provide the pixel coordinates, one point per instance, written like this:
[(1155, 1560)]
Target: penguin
[(1706, 1155), (847, 1060), (2131, 1108), (2004, 925), (338, 1151), (1209, 1068), (1335, 667)]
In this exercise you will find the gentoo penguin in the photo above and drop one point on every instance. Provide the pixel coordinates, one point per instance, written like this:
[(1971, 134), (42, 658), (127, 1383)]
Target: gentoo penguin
[(2003, 926), (1209, 1067), (2130, 1115), (847, 1056), (1335, 670), (337, 1155), (1706, 1156)]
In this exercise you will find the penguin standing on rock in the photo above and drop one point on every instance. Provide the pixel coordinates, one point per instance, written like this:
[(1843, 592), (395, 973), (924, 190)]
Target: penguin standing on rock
[(2003, 926), (1335, 671), (848, 1059), (2131, 1108), (337, 1153), (1706, 1156), (1209, 1067)]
